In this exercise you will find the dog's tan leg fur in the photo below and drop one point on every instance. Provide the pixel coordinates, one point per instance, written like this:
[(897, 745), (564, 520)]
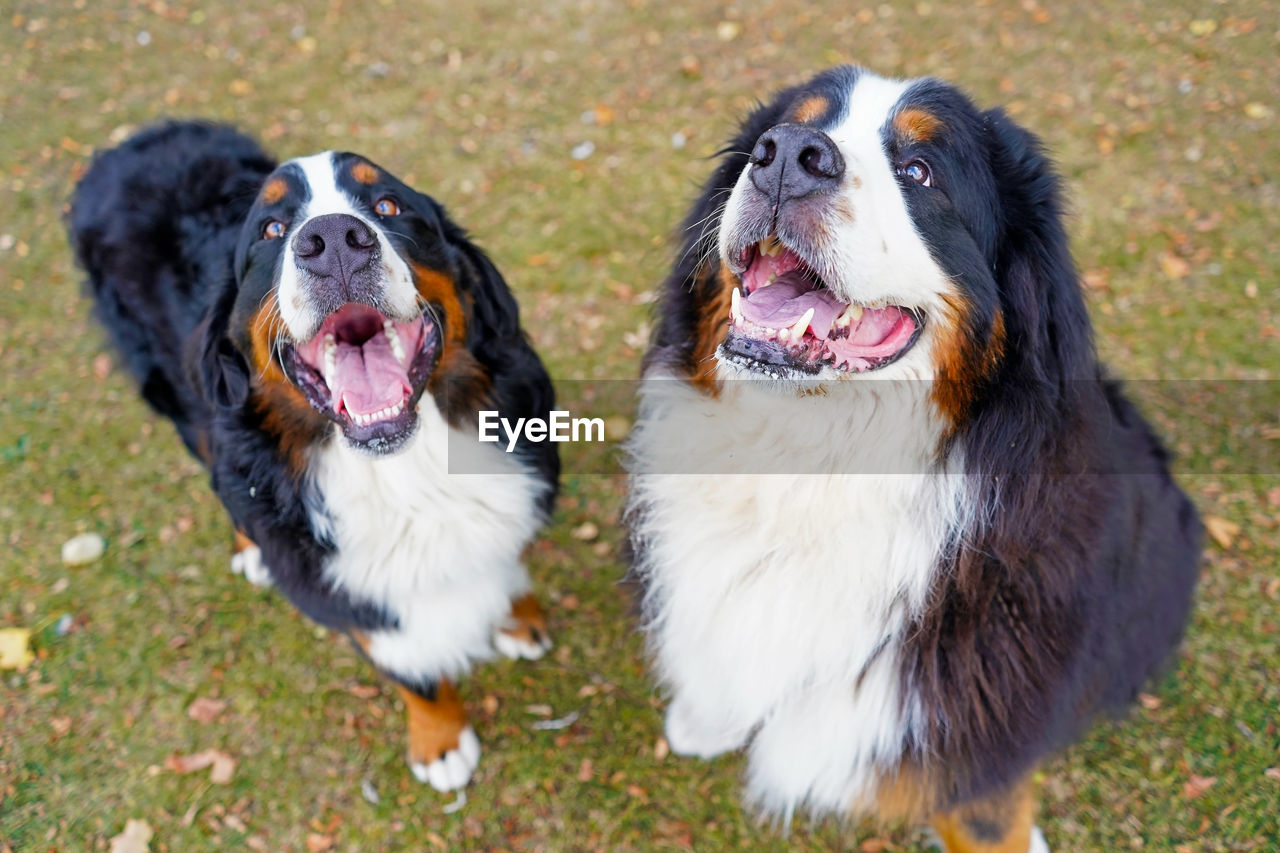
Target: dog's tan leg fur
[(435, 725), (1002, 823)]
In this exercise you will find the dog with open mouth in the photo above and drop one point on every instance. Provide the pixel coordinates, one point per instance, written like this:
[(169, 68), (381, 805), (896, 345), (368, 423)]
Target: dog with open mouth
[(898, 534), (322, 336)]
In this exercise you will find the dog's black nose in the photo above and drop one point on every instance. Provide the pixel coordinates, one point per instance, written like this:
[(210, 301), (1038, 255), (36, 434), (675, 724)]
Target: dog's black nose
[(334, 245), (792, 161)]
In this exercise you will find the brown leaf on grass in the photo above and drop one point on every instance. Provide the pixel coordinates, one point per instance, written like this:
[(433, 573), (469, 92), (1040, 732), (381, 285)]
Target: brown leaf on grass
[(364, 691), (1148, 701), (661, 749), (1197, 785), (1174, 266), (101, 366), (874, 845), (206, 710), (1272, 773), (1273, 497), (1222, 531), (223, 765), (586, 770), (317, 843), (136, 838)]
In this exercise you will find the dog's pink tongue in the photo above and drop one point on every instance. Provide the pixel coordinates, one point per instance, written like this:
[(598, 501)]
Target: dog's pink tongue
[(369, 378)]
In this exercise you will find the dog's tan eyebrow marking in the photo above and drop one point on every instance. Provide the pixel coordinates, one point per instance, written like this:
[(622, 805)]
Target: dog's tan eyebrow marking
[(917, 125), (364, 173), (811, 108), (274, 190)]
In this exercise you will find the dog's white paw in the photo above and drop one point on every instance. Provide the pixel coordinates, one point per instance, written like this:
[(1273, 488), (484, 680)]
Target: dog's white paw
[(451, 771), (537, 644), (249, 563), (689, 736)]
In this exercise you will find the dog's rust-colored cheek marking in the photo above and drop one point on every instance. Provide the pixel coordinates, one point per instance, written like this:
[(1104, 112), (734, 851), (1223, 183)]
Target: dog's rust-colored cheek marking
[(711, 326), (999, 824), (916, 125), (526, 621), (811, 109), (440, 289), (459, 383), (283, 409), (962, 363), (435, 725), (273, 191), (290, 419), (365, 173)]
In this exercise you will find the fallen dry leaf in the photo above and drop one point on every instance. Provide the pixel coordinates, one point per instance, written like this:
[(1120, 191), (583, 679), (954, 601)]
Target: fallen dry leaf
[(1148, 701), (586, 770), (873, 845), (1272, 773), (317, 843), (661, 749), (1197, 785), (223, 765), (206, 710), (363, 691), (585, 531), (1221, 530), (15, 648), (136, 838)]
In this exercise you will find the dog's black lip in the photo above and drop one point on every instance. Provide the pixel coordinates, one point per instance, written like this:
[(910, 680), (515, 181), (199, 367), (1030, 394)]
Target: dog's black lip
[(741, 350)]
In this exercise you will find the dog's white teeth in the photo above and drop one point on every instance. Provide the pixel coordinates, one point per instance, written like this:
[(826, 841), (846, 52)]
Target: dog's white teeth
[(393, 338), (850, 316), (798, 330), (784, 336), (773, 276), (735, 304), (770, 247)]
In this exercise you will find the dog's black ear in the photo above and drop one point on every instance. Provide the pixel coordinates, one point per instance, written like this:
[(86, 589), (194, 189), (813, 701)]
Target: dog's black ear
[(1039, 288), (495, 310), (214, 364)]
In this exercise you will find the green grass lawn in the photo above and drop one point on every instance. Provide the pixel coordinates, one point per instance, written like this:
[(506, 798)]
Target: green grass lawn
[(1163, 118)]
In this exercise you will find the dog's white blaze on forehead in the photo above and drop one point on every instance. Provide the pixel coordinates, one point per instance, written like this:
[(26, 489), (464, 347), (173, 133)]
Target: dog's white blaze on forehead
[(881, 253), (319, 171), (325, 196)]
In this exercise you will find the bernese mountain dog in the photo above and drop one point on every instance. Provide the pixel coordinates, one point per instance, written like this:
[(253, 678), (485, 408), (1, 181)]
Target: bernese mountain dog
[(898, 533), (322, 336)]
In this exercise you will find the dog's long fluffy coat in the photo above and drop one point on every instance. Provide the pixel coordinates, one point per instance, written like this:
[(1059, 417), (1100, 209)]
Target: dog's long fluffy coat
[(944, 586)]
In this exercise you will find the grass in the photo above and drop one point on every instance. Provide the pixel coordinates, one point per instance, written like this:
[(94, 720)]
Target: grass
[(1162, 117)]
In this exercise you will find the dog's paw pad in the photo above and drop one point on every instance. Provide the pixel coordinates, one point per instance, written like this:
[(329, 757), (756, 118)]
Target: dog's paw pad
[(451, 771), (524, 642), (249, 563)]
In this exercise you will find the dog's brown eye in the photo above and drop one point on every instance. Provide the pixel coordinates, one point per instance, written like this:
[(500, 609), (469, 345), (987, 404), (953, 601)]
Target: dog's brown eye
[(273, 230), (386, 207), (918, 171)]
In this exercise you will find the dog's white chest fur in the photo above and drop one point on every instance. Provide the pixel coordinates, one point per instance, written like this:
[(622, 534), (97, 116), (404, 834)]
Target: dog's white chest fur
[(776, 603), (440, 551)]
